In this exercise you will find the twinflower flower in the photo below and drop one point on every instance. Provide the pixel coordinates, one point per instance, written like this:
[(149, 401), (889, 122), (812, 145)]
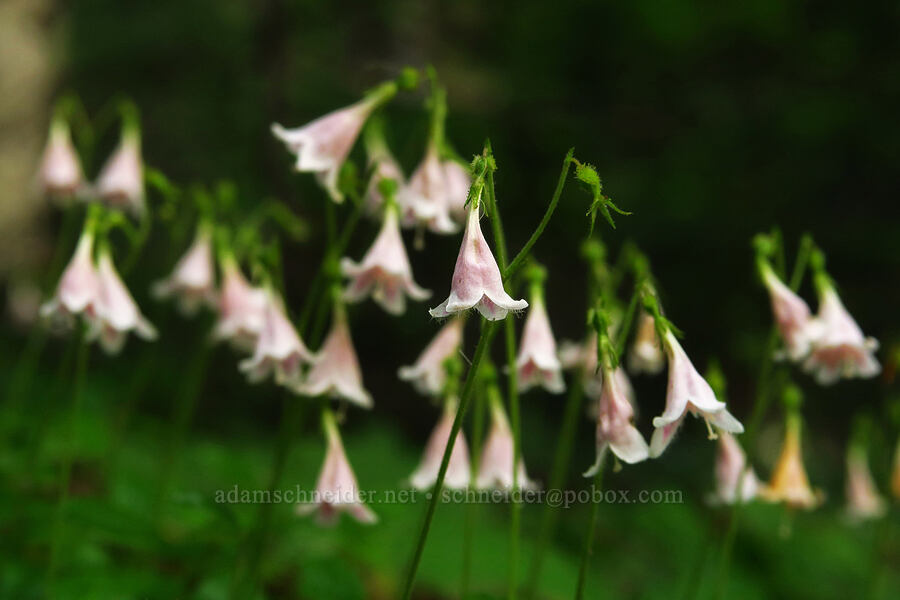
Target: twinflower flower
[(537, 362), (458, 471), (121, 180), (279, 349), (241, 307), (428, 374), (115, 311), (646, 355), (863, 500), (60, 174), (477, 282), (193, 279), (425, 198), (731, 468), (797, 328), (498, 454), (789, 483), (78, 287)]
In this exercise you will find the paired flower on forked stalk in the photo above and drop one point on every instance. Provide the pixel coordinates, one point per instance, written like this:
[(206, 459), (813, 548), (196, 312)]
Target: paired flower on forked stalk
[(789, 483), (429, 374), (323, 145), (279, 349), (76, 292), (337, 490), (121, 180), (495, 469), (795, 324), (687, 392), (458, 470), (537, 362), (241, 307), (193, 279), (840, 349), (385, 271), (645, 355), (731, 466), (115, 311), (477, 282), (335, 369), (60, 174)]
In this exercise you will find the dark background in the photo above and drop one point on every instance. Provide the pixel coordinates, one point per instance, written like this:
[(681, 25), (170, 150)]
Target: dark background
[(709, 121)]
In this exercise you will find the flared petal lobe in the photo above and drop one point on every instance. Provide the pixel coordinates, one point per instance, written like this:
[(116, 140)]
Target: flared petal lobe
[(428, 374), (477, 282)]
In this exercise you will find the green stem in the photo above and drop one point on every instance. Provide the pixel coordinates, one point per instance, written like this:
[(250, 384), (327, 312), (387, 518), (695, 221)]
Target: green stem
[(519, 260), (484, 341), (81, 363), (470, 509), (589, 538), (558, 474)]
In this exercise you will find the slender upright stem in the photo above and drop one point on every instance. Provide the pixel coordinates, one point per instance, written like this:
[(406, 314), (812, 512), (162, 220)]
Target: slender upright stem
[(81, 362), (470, 509), (519, 260), (484, 342), (589, 537)]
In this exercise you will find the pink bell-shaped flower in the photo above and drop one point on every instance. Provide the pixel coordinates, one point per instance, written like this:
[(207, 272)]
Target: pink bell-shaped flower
[(79, 285), (279, 349), (583, 356), (477, 282), (796, 326), (789, 483), (457, 181), (193, 279), (424, 198), (687, 392), (323, 145), (121, 180), (60, 174), (242, 308), (645, 355), (537, 363), (731, 465), (497, 456), (458, 470), (841, 349), (336, 490), (335, 370), (428, 375), (615, 427), (863, 500), (385, 271), (116, 312)]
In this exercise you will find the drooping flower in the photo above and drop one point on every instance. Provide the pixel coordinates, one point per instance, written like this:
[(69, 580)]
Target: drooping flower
[(646, 356), (116, 312), (841, 349), (336, 490), (193, 279), (615, 427), (242, 308), (495, 469), (477, 282), (383, 165), (458, 470), (385, 271), (428, 375), (789, 483), (335, 370), (456, 181), (322, 146), (537, 363), (121, 180), (687, 392), (796, 326), (731, 466), (279, 349), (424, 197), (583, 356), (60, 174), (863, 500), (78, 287)]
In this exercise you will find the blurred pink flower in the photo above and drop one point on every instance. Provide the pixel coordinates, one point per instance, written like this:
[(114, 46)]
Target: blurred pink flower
[(687, 392), (385, 271), (121, 180), (458, 470), (476, 278), (496, 466), (193, 279), (335, 369), (537, 363), (279, 349), (841, 349), (646, 356), (78, 286), (322, 146), (60, 174), (792, 316), (337, 490), (731, 464), (428, 374), (615, 427), (116, 312), (424, 197), (242, 308), (863, 500)]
